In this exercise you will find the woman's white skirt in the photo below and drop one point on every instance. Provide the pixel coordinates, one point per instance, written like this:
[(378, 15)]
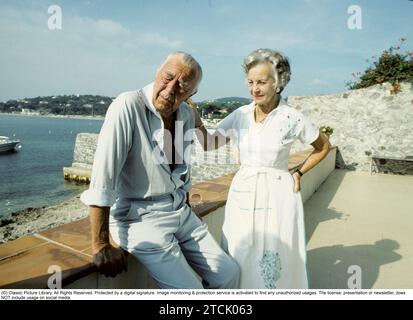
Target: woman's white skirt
[(264, 229)]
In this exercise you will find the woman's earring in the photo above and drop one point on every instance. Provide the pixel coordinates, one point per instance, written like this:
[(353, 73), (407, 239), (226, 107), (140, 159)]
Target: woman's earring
[(278, 90)]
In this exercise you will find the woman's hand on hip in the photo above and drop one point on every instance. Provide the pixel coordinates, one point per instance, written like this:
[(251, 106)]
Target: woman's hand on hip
[(297, 182)]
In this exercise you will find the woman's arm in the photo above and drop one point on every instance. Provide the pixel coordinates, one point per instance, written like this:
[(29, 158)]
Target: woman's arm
[(321, 148)]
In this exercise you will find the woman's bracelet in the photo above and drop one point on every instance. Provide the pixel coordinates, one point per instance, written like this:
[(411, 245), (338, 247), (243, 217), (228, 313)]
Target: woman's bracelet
[(299, 172)]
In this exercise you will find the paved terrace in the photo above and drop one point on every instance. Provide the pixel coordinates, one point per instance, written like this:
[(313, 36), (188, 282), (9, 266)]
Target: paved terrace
[(360, 219)]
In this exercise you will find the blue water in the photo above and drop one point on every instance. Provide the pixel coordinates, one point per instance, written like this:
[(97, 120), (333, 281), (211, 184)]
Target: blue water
[(33, 176)]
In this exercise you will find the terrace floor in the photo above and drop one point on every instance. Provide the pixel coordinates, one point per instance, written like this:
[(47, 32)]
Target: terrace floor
[(355, 218)]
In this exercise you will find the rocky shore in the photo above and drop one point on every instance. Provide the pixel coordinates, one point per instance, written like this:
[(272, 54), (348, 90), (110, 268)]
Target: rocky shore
[(34, 220)]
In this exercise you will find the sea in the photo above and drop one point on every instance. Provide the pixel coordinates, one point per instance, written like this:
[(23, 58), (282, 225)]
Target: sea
[(32, 177)]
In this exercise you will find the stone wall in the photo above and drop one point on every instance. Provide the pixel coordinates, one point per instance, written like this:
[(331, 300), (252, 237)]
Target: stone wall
[(85, 147), (365, 122), (205, 166)]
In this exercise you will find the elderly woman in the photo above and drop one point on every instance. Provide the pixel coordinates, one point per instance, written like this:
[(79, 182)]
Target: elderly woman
[(264, 223)]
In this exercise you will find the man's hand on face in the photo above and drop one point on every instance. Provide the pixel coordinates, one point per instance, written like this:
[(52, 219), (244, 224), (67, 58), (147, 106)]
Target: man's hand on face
[(110, 261)]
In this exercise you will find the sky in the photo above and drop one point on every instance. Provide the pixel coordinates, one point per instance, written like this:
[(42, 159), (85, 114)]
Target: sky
[(107, 47)]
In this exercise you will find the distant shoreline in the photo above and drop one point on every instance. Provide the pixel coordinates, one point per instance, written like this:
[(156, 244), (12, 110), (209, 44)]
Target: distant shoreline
[(76, 117), (209, 124)]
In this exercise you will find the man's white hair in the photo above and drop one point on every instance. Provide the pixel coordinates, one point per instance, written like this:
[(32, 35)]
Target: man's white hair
[(188, 61)]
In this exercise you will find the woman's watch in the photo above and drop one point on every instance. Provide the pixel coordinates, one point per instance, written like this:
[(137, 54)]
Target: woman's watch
[(299, 172)]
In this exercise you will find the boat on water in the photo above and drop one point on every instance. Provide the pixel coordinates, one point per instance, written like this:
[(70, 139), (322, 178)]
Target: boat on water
[(8, 144)]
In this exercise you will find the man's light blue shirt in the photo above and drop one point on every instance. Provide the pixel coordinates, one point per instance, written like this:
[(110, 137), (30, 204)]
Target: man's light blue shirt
[(128, 159)]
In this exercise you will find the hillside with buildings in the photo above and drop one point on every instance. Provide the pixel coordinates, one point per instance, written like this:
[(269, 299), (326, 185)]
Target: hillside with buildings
[(95, 105)]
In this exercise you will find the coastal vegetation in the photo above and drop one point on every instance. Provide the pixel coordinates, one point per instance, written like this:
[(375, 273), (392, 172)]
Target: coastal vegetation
[(59, 105), (96, 105), (220, 108)]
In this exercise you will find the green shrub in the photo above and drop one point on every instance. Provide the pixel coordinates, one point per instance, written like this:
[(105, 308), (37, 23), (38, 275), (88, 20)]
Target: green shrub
[(327, 130), (391, 66)]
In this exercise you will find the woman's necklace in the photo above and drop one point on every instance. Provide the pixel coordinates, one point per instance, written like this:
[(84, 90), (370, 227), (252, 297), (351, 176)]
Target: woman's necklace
[(260, 116), (260, 119)]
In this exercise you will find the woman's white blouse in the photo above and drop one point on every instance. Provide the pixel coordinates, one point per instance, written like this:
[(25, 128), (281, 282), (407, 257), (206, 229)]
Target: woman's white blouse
[(267, 144)]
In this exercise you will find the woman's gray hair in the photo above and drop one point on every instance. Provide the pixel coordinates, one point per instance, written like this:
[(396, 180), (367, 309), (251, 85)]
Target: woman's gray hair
[(278, 61)]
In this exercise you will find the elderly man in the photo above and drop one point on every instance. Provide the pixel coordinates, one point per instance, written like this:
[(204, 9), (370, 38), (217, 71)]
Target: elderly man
[(141, 201)]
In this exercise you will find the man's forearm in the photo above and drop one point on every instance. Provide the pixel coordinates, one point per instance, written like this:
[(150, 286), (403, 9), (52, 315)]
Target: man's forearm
[(210, 141), (99, 224), (203, 137)]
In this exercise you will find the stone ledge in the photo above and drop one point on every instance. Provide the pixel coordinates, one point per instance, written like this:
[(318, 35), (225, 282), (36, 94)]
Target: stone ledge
[(24, 262), (77, 174)]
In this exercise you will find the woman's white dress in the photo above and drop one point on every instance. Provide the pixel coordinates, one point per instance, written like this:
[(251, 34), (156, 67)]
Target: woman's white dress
[(264, 224)]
